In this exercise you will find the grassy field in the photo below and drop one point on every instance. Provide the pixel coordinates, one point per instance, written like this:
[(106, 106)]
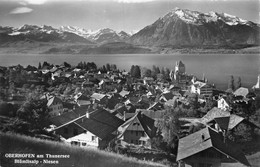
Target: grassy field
[(11, 144)]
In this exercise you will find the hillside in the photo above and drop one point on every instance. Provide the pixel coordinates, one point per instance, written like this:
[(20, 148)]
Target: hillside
[(12, 143)]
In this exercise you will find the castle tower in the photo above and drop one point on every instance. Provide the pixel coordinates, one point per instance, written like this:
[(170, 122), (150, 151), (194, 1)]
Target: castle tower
[(180, 67), (257, 85)]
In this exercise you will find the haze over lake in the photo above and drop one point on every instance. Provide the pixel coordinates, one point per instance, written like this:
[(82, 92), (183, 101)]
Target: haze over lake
[(217, 68)]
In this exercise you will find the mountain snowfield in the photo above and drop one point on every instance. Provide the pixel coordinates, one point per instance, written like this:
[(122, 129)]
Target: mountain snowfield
[(194, 17), (100, 35)]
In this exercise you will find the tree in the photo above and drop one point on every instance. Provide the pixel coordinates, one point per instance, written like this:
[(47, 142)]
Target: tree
[(238, 83), (231, 83), (67, 64), (45, 64), (146, 72), (35, 112), (107, 67), (40, 65), (169, 126), (135, 71)]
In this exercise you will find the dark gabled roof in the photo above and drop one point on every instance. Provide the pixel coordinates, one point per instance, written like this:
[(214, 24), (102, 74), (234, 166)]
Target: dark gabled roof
[(68, 116), (207, 138), (168, 96), (52, 100), (100, 122), (223, 122), (228, 148), (147, 124)]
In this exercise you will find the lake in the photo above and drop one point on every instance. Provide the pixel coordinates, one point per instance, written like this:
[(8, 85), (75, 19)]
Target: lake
[(217, 68)]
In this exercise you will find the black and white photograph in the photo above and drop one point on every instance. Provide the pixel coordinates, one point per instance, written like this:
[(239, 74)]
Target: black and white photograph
[(129, 83)]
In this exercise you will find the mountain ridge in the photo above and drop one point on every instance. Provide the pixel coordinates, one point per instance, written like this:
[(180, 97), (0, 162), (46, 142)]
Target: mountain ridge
[(191, 28), (179, 29)]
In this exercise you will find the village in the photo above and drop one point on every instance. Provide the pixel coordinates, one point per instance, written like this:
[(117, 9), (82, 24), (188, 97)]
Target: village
[(160, 111)]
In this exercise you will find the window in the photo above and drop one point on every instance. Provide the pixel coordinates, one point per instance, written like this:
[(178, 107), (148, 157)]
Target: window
[(66, 130), (143, 134), (143, 142), (93, 138), (132, 141), (136, 133), (84, 144), (136, 141)]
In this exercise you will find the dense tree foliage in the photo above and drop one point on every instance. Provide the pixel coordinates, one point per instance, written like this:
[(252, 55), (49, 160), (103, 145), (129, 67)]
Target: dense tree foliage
[(35, 112), (135, 71), (231, 83)]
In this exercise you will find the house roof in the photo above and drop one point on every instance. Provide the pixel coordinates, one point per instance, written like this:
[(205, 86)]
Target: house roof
[(53, 100), (207, 138), (241, 92), (100, 122), (68, 116), (123, 93), (97, 96), (147, 124), (214, 113), (168, 95), (223, 122), (220, 116)]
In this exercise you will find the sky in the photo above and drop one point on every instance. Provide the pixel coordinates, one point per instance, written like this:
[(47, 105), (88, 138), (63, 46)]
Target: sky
[(126, 15)]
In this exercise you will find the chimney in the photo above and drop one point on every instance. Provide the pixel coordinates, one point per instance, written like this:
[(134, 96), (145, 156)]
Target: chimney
[(224, 136), (87, 114)]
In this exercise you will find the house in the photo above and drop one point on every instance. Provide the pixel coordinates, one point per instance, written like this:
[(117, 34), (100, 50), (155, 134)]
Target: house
[(223, 104), (55, 105), (83, 127), (172, 102), (137, 130), (202, 88), (208, 147), (99, 98), (124, 93), (166, 96), (82, 99), (148, 80)]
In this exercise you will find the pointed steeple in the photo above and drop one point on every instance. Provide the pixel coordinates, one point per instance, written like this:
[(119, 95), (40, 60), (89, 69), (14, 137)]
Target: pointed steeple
[(257, 85)]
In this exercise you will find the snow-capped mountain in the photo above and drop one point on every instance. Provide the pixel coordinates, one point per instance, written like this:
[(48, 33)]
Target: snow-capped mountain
[(185, 28), (105, 35), (38, 34)]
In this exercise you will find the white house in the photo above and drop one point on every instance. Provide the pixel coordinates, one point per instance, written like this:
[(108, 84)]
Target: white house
[(223, 104), (202, 88)]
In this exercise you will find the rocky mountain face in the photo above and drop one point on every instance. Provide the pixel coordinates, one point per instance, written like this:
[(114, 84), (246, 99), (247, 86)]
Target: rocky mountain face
[(190, 28), (35, 33)]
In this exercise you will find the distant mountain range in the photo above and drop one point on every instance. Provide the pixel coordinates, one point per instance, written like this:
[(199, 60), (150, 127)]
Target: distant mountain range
[(105, 35), (179, 28)]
